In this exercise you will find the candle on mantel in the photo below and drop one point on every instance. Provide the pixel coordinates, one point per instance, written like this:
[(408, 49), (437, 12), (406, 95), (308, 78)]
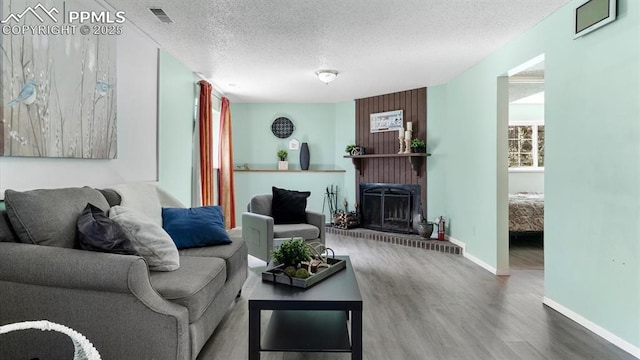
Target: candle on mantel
[(409, 126), (407, 134), (401, 133)]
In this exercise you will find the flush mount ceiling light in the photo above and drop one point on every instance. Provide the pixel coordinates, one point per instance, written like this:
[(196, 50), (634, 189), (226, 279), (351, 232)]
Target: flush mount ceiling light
[(326, 76)]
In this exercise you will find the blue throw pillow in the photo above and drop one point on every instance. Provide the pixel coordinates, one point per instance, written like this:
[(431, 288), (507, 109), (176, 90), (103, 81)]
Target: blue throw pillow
[(195, 227)]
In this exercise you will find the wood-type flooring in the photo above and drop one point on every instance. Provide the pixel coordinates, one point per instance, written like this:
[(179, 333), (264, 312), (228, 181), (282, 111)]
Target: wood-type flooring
[(421, 304)]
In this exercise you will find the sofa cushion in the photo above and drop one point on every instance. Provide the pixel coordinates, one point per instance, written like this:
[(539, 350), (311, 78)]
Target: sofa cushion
[(195, 227), (194, 286), (234, 254), (112, 196), (306, 231), (97, 232), (7, 234), (289, 206), (142, 197), (49, 216), (149, 239)]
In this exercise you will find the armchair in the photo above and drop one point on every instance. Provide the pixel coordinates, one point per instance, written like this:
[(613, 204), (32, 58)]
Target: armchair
[(261, 234)]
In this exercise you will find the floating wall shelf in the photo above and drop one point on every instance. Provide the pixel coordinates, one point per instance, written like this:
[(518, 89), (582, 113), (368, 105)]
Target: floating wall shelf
[(416, 160)]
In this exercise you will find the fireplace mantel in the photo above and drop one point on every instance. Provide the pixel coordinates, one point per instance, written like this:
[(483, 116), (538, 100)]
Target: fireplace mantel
[(416, 159)]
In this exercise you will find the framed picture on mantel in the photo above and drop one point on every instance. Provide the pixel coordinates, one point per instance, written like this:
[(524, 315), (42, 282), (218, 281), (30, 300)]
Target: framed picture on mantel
[(386, 121)]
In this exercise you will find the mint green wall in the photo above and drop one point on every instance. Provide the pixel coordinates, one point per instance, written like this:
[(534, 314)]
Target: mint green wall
[(176, 96), (327, 128), (256, 145), (592, 208), (345, 133)]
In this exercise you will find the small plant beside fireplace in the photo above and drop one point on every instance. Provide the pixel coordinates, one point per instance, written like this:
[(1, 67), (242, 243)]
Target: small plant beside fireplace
[(418, 146), (354, 149)]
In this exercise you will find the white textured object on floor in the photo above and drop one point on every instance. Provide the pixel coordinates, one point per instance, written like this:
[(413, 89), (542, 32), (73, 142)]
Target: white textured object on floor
[(83, 348)]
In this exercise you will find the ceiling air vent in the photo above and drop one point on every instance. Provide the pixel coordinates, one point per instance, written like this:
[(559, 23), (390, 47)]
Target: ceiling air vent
[(160, 14)]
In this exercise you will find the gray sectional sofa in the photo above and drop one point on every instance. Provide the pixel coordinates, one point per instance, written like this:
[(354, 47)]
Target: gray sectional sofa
[(125, 310)]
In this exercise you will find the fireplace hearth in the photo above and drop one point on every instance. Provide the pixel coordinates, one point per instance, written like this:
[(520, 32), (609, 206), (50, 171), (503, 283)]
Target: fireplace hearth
[(390, 207)]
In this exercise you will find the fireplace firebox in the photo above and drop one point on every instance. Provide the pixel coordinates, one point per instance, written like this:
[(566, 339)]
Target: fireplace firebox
[(390, 207)]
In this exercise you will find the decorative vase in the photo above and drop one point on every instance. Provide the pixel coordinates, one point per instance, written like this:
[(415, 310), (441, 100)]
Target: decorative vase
[(283, 165), (304, 156), (425, 229)]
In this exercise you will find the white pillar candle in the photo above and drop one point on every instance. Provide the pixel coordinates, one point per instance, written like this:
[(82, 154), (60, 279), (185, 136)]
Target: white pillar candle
[(401, 133), (407, 134), (409, 126)]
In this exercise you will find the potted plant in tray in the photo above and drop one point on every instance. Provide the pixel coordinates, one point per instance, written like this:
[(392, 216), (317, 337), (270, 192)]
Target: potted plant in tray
[(418, 146), (283, 164), (291, 253)]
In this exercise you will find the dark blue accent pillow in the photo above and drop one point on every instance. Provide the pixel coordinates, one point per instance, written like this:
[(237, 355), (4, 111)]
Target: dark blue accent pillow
[(195, 227)]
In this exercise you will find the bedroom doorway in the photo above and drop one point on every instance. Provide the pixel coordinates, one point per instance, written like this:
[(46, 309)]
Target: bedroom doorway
[(525, 169)]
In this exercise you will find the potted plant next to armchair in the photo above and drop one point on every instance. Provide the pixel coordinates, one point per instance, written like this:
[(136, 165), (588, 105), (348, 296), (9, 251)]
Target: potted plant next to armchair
[(283, 164)]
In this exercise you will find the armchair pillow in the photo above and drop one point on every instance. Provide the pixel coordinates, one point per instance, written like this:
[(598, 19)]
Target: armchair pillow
[(149, 239), (195, 227), (289, 206), (96, 232)]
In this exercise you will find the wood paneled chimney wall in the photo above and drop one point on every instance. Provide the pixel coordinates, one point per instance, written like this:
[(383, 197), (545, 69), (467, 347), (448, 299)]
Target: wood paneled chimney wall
[(413, 103)]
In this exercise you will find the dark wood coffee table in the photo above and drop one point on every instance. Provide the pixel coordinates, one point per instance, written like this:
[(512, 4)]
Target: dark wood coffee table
[(308, 320)]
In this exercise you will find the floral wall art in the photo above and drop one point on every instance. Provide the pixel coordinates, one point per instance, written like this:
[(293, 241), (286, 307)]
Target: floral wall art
[(58, 91)]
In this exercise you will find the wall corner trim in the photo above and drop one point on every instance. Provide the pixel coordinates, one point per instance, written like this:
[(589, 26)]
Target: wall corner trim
[(593, 327)]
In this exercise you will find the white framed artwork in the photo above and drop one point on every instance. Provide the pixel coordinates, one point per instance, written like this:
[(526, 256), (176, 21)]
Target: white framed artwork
[(386, 121)]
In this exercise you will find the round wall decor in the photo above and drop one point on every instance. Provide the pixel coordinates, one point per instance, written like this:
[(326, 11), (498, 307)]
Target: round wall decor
[(282, 127)]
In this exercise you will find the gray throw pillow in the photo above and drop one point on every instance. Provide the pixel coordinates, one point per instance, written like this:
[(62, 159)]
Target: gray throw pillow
[(97, 232), (149, 239), (49, 216)]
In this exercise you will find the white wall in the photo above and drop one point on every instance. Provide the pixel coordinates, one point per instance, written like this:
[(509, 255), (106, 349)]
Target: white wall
[(526, 181), (137, 70)]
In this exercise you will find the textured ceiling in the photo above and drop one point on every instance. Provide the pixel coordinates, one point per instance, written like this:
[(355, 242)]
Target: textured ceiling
[(528, 82), (268, 51)]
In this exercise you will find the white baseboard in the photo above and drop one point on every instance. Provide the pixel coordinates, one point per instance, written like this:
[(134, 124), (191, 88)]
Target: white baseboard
[(593, 327), (457, 242), (475, 260)]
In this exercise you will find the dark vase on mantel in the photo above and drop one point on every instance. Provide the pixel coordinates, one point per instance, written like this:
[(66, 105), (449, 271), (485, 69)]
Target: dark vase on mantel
[(304, 156)]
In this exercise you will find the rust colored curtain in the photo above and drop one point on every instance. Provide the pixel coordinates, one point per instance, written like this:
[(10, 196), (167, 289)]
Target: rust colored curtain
[(226, 195), (205, 126)]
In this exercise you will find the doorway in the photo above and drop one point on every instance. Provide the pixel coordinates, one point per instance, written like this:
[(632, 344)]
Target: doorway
[(521, 139)]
